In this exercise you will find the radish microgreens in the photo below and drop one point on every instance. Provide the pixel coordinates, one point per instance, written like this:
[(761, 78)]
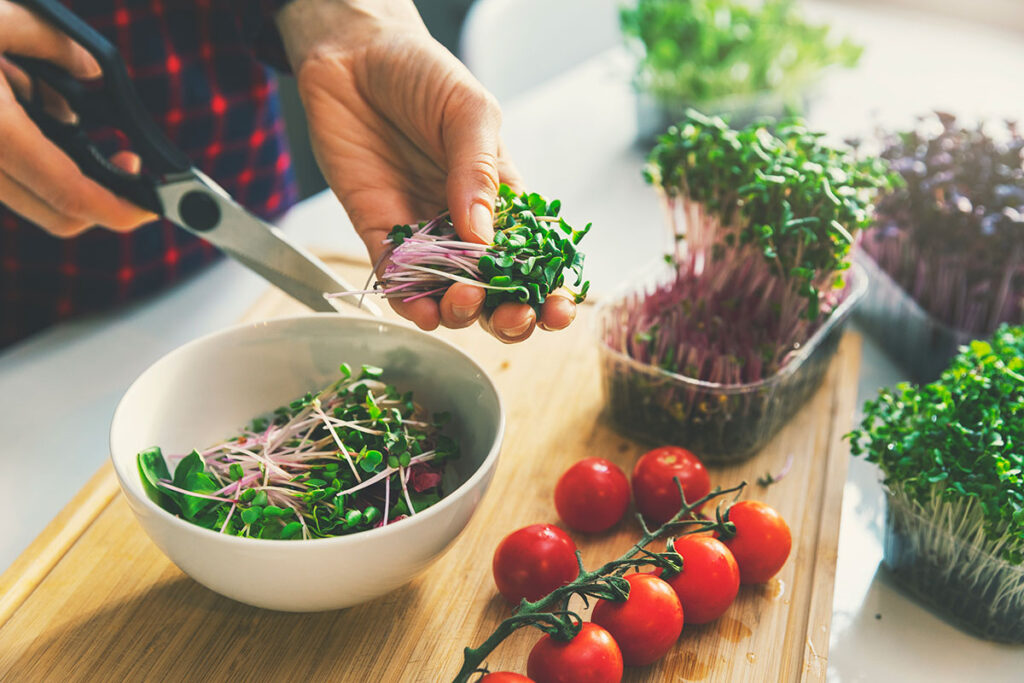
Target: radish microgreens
[(953, 236), (357, 455), (532, 250)]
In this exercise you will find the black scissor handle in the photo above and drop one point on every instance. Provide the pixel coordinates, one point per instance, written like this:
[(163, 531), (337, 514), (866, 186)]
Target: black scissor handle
[(111, 101)]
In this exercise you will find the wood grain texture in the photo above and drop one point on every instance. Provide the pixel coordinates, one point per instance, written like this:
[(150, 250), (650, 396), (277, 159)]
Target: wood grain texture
[(112, 607), (32, 566)]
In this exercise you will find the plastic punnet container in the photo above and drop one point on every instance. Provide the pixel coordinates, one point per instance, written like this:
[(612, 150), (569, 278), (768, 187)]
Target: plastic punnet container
[(722, 423), (965, 584), (913, 337)]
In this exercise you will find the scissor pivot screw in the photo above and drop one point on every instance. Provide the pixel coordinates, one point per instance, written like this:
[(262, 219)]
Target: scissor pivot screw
[(199, 211)]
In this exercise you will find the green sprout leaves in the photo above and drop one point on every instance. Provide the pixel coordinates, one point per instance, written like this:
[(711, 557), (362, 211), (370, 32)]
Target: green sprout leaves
[(798, 200), (963, 433), (698, 51), (351, 457), (533, 251)]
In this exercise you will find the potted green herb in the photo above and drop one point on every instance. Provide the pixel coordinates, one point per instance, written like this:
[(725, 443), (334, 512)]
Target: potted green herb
[(951, 455), (726, 57), (722, 352), (948, 245)]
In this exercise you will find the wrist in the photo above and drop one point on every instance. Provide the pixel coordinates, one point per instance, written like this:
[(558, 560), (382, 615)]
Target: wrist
[(309, 27)]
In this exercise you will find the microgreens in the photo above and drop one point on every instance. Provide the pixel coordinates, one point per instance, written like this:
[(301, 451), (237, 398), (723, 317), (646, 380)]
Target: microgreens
[(697, 51), (551, 613), (762, 223), (357, 455), (960, 438), (952, 456), (953, 236), (532, 249), (783, 195)]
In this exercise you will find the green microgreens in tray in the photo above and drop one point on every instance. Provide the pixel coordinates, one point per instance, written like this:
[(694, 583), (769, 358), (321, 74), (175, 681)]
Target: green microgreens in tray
[(533, 248), (959, 439), (762, 222), (781, 193), (699, 51), (952, 456), (357, 455)]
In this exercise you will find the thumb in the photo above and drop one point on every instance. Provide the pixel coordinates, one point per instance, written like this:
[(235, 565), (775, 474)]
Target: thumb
[(471, 136)]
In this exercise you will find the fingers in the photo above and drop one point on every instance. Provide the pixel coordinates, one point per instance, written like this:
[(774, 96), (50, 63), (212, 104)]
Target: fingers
[(423, 312), (34, 163), (510, 323), (129, 162), (507, 171), (30, 207), (26, 34), (471, 123), (461, 305), (558, 311)]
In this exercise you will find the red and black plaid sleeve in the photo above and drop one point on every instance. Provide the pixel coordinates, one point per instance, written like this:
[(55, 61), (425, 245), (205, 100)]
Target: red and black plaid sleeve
[(196, 68)]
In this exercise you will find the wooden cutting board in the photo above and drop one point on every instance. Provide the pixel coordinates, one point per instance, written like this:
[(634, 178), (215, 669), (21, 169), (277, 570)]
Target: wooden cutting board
[(93, 599)]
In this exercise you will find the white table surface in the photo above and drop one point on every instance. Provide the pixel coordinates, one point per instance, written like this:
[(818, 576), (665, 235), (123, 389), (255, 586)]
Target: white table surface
[(573, 138)]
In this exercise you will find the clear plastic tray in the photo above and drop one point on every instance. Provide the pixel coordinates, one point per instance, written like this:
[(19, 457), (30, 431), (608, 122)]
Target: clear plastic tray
[(915, 339), (722, 423), (976, 591)]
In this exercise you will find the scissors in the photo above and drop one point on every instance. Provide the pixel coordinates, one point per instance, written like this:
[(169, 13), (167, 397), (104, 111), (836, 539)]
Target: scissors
[(169, 186)]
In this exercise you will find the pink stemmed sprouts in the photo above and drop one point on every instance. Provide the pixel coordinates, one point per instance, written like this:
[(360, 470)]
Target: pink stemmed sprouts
[(324, 465), (532, 251)]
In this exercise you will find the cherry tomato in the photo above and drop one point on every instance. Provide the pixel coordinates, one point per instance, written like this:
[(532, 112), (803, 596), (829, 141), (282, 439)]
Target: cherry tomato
[(505, 677), (762, 541), (592, 495), (647, 624), (655, 492), (533, 561), (591, 657), (710, 578)]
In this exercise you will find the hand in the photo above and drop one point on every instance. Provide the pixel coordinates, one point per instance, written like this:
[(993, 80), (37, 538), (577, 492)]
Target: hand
[(402, 130), (37, 180)]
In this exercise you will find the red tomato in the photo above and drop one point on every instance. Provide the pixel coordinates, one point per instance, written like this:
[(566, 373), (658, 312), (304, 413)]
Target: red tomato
[(762, 541), (533, 561), (591, 657), (647, 624), (709, 581), (592, 495), (654, 490), (505, 677)]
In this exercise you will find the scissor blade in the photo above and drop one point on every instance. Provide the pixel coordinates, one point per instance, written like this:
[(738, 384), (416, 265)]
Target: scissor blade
[(257, 245)]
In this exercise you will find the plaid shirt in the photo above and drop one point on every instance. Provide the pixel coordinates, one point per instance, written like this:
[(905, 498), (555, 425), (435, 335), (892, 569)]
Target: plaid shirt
[(196, 68)]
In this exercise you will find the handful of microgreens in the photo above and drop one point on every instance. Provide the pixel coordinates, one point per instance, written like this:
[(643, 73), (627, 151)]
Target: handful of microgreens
[(763, 221), (951, 456), (356, 455), (533, 248)]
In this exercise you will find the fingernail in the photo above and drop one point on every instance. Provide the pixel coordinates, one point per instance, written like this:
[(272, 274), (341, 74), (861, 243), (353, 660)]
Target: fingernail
[(481, 222), (463, 313), (518, 331), (88, 67)]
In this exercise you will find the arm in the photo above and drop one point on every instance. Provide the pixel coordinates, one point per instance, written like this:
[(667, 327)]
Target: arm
[(402, 130)]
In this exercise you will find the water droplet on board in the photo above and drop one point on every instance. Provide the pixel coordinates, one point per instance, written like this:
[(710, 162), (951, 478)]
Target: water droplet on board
[(772, 590), (733, 630), (751, 657)]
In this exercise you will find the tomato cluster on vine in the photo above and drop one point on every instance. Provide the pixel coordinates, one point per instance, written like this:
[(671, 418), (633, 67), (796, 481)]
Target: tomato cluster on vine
[(749, 545)]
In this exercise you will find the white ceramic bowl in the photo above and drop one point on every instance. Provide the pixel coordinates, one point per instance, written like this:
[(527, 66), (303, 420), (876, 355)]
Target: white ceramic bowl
[(208, 388)]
